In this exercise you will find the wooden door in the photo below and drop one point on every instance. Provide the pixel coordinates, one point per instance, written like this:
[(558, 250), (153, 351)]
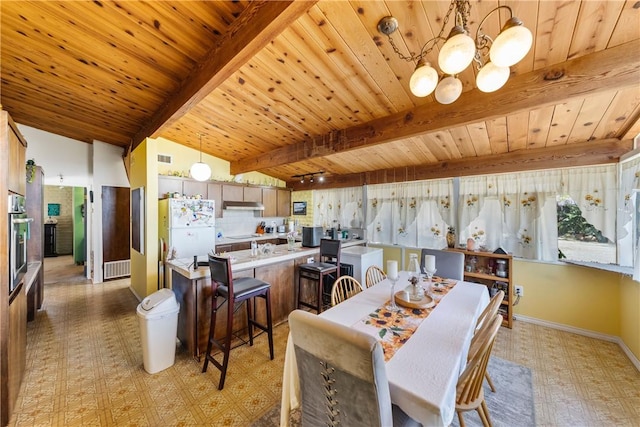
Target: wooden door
[(116, 241)]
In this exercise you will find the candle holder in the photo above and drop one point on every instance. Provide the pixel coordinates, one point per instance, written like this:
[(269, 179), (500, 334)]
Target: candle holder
[(429, 272), (392, 302)]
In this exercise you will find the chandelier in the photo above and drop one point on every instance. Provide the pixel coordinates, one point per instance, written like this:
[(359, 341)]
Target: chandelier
[(200, 171), (492, 57)]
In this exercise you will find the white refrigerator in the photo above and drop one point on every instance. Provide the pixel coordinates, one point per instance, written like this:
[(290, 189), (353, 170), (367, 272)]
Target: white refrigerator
[(187, 226)]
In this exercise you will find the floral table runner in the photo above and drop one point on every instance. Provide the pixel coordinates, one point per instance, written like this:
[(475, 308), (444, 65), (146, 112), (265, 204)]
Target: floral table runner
[(394, 328)]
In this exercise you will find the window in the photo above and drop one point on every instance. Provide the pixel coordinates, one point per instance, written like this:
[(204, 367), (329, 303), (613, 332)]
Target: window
[(578, 240)]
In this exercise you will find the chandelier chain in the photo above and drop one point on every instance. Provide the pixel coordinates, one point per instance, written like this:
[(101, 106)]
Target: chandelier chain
[(412, 56)]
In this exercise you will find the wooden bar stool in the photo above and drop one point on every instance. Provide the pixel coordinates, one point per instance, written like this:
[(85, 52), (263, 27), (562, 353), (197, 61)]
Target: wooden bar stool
[(234, 291), (327, 265)]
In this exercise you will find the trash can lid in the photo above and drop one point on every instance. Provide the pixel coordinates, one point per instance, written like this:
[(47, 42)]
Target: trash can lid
[(160, 301)]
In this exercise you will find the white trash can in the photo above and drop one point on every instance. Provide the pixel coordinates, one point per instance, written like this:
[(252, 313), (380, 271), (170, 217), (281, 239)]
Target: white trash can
[(158, 317)]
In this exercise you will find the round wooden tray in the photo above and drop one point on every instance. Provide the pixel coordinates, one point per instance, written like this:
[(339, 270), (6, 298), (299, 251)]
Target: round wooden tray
[(425, 302)]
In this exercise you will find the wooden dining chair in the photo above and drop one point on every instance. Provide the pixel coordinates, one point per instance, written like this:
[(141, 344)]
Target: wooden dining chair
[(374, 275), (343, 378), (469, 391), (343, 288), (489, 312)]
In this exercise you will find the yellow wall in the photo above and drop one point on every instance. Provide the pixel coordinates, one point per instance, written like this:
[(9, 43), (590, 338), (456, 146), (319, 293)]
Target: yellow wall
[(144, 267), (576, 296), (304, 196), (183, 157), (630, 314)]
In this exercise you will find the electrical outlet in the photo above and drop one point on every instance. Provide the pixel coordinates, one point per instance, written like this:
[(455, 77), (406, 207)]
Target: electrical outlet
[(520, 291), (310, 260)]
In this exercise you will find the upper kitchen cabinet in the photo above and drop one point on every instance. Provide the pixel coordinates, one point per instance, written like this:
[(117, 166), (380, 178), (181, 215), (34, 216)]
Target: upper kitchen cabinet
[(232, 193), (169, 185), (191, 188), (253, 194), (284, 202), (270, 202), (17, 150), (214, 192)]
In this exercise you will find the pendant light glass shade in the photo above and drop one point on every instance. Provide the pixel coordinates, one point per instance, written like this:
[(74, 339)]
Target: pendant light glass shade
[(512, 44), (491, 77), (457, 53), (423, 80), (200, 171), (448, 90)]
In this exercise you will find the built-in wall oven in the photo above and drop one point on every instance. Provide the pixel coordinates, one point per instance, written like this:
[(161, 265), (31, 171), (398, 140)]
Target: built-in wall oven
[(18, 235)]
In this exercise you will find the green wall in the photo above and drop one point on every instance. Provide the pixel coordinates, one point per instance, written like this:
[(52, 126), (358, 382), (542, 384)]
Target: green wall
[(79, 255)]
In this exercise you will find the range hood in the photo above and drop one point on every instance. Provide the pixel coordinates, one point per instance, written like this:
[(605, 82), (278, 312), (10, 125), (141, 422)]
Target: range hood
[(242, 206)]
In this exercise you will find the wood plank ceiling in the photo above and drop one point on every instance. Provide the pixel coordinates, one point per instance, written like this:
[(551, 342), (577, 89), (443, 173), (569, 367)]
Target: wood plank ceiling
[(292, 88)]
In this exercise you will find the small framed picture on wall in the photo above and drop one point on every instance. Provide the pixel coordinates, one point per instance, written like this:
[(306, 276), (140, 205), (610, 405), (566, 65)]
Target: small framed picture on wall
[(299, 208)]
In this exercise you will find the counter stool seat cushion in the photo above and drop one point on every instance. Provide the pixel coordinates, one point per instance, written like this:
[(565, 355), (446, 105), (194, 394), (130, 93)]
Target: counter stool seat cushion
[(244, 287)]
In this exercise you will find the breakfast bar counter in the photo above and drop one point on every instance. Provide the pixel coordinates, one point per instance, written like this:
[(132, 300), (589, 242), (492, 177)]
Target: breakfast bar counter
[(192, 287)]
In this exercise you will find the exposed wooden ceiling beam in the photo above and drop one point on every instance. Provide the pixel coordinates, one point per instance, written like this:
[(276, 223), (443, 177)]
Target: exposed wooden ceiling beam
[(609, 69), (258, 24), (572, 155)]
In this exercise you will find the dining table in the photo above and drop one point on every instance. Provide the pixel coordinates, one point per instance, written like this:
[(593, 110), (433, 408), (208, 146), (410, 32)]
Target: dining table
[(424, 364)]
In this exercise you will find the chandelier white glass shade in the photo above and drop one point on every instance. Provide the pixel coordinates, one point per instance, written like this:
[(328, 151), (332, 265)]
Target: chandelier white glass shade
[(200, 171), (424, 79), (492, 57), (491, 77), (448, 90), (458, 51), (512, 44)]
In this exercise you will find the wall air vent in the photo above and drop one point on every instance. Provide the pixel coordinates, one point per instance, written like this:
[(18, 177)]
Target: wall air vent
[(165, 158)]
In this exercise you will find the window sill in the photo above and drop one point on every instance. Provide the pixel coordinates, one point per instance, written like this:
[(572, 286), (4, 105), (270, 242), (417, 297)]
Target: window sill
[(627, 271)]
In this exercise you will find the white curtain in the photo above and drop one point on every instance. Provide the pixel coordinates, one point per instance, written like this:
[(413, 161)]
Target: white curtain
[(627, 241), (411, 213), (516, 212), (339, 206), (595, 191)]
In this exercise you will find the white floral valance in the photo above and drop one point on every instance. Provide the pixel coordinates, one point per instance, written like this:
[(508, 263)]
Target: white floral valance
[(411, 213), (339, 206)]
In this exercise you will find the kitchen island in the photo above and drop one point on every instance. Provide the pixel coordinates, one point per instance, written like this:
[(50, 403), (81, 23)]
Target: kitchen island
[(192, 287)]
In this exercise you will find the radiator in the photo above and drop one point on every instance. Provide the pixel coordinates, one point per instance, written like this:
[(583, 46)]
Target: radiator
[(115, 269)]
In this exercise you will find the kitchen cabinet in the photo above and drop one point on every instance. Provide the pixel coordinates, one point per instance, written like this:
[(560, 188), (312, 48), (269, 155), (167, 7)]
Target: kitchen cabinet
[(252, 194), (17, 343), (17, 181), (169, 185), (214, 192), (284, 202), (494, 271), (270, 202), (227, 247), (232, 192), (192, 188)]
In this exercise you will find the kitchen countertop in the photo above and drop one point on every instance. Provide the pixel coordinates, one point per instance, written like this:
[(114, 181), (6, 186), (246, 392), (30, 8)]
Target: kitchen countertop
[(242, 260), (250, 237)]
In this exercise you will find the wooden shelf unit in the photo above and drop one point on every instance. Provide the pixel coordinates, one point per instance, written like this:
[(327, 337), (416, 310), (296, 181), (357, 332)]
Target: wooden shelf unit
[(483, 271)]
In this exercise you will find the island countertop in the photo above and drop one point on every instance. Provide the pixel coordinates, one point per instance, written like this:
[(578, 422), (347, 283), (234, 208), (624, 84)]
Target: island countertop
[(242, 260)]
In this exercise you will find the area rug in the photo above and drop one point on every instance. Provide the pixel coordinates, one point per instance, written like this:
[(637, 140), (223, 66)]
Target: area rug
[(511, 404)]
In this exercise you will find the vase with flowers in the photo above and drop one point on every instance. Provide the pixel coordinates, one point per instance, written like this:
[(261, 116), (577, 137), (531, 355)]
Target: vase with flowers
[(291, 240)]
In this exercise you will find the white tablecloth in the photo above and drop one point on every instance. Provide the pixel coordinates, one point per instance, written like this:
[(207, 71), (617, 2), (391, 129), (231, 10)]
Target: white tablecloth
[(423, 373)]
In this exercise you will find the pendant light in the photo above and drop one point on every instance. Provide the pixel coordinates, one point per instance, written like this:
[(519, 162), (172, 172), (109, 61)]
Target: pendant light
[(200, 171), (492, 57)]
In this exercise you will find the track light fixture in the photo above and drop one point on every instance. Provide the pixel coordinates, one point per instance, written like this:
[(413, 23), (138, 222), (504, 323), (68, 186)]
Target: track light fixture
[(493, 57), (310, 177)]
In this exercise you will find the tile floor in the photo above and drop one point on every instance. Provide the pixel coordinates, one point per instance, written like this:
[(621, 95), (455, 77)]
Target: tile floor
[(84, 368)]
